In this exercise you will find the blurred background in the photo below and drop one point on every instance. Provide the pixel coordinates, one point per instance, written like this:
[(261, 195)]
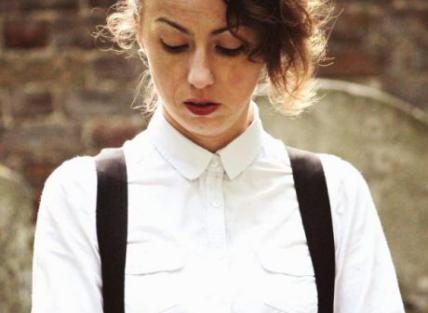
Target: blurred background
[(62, 95)]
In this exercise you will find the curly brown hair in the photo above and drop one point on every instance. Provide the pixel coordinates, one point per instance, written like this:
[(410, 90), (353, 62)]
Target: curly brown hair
[(293, 37)]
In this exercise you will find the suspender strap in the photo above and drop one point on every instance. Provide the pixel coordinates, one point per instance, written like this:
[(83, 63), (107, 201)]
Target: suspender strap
[(112, 222), (312, 195)]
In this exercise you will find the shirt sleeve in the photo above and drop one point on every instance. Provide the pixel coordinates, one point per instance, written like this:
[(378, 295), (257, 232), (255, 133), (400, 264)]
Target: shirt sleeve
[(66, 264), (365, 276)]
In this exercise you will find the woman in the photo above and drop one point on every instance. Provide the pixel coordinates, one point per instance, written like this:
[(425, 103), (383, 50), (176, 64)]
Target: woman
[(214, 223)]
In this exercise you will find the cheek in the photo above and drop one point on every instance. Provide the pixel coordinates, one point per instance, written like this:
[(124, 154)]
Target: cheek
[(166, 73), (160, 65), (243, 77)]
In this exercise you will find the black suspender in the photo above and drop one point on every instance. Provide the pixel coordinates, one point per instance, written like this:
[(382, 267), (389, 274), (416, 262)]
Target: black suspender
[(112, 224), (312, 194)]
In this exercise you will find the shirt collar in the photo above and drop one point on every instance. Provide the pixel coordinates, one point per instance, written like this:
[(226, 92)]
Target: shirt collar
[(191, 160)]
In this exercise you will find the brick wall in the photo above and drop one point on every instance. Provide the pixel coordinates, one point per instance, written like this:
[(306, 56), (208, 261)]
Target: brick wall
[(61, 95), (383, 43)]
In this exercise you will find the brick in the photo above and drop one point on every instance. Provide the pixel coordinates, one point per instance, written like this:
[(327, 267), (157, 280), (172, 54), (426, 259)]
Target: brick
[(87, 103), (37, 194), (2, 113), (117, 68), (101, 3), (351, 62), (353, 27), (57, 70), (423, 17), (40, 142), (31, 104), (8, 6), (72, 31), (36, 172), (25, 34), (30, 5), (113, 133), (384, 3), (417, 20)]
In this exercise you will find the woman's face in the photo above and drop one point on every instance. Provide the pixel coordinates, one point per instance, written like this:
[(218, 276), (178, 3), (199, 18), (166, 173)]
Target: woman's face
[(192, 56)]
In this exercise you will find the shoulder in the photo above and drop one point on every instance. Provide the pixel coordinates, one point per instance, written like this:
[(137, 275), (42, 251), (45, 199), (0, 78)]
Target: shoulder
[(72, 183), (340, 173), (345, 182), (346, 185), (350, 197), (66, 219), (78, 170)]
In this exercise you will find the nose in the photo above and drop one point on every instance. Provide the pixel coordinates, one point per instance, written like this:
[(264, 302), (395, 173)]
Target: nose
[(200, 74)]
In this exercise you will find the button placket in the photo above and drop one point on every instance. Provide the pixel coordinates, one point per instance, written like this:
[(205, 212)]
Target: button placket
[(216, 194), (215, 206)]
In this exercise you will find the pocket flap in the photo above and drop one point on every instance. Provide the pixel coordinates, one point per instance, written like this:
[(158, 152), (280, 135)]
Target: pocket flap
[(294, 261), (147, 258)]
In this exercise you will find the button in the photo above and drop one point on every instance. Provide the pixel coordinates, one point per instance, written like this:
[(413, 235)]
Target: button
[(215, 164), (216, 198), (216, 202)]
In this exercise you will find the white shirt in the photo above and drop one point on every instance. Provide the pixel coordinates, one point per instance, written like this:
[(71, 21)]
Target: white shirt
[(210, 232)]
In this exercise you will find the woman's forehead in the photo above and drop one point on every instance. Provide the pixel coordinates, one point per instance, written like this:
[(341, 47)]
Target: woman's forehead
[(185, 9), (188, 13)]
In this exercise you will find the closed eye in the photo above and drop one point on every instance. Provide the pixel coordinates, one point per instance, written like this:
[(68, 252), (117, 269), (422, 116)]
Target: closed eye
[(231, 52), (220, 49), (173, 49)]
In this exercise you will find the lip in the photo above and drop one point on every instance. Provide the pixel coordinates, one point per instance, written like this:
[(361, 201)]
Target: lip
[(191, 105), (201, 110)]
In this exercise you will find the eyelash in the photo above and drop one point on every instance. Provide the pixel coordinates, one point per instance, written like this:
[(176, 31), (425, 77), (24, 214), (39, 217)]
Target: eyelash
[(224, 51)]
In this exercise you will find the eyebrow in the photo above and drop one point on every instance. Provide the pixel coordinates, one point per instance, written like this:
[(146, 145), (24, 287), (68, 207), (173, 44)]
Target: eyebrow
[(185, 30)]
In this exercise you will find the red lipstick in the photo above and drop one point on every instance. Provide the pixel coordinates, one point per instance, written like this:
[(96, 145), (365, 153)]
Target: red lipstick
[(201, 106)]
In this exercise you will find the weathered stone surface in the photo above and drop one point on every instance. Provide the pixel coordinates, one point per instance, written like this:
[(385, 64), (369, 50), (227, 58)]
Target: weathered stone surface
[(387, 140), (15, 243)]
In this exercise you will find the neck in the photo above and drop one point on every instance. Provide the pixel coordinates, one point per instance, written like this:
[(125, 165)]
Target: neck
[(215, 142)]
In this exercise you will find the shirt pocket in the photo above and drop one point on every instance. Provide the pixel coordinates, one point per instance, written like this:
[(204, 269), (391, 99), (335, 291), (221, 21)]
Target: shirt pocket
[(153, 276), (288, 279)]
